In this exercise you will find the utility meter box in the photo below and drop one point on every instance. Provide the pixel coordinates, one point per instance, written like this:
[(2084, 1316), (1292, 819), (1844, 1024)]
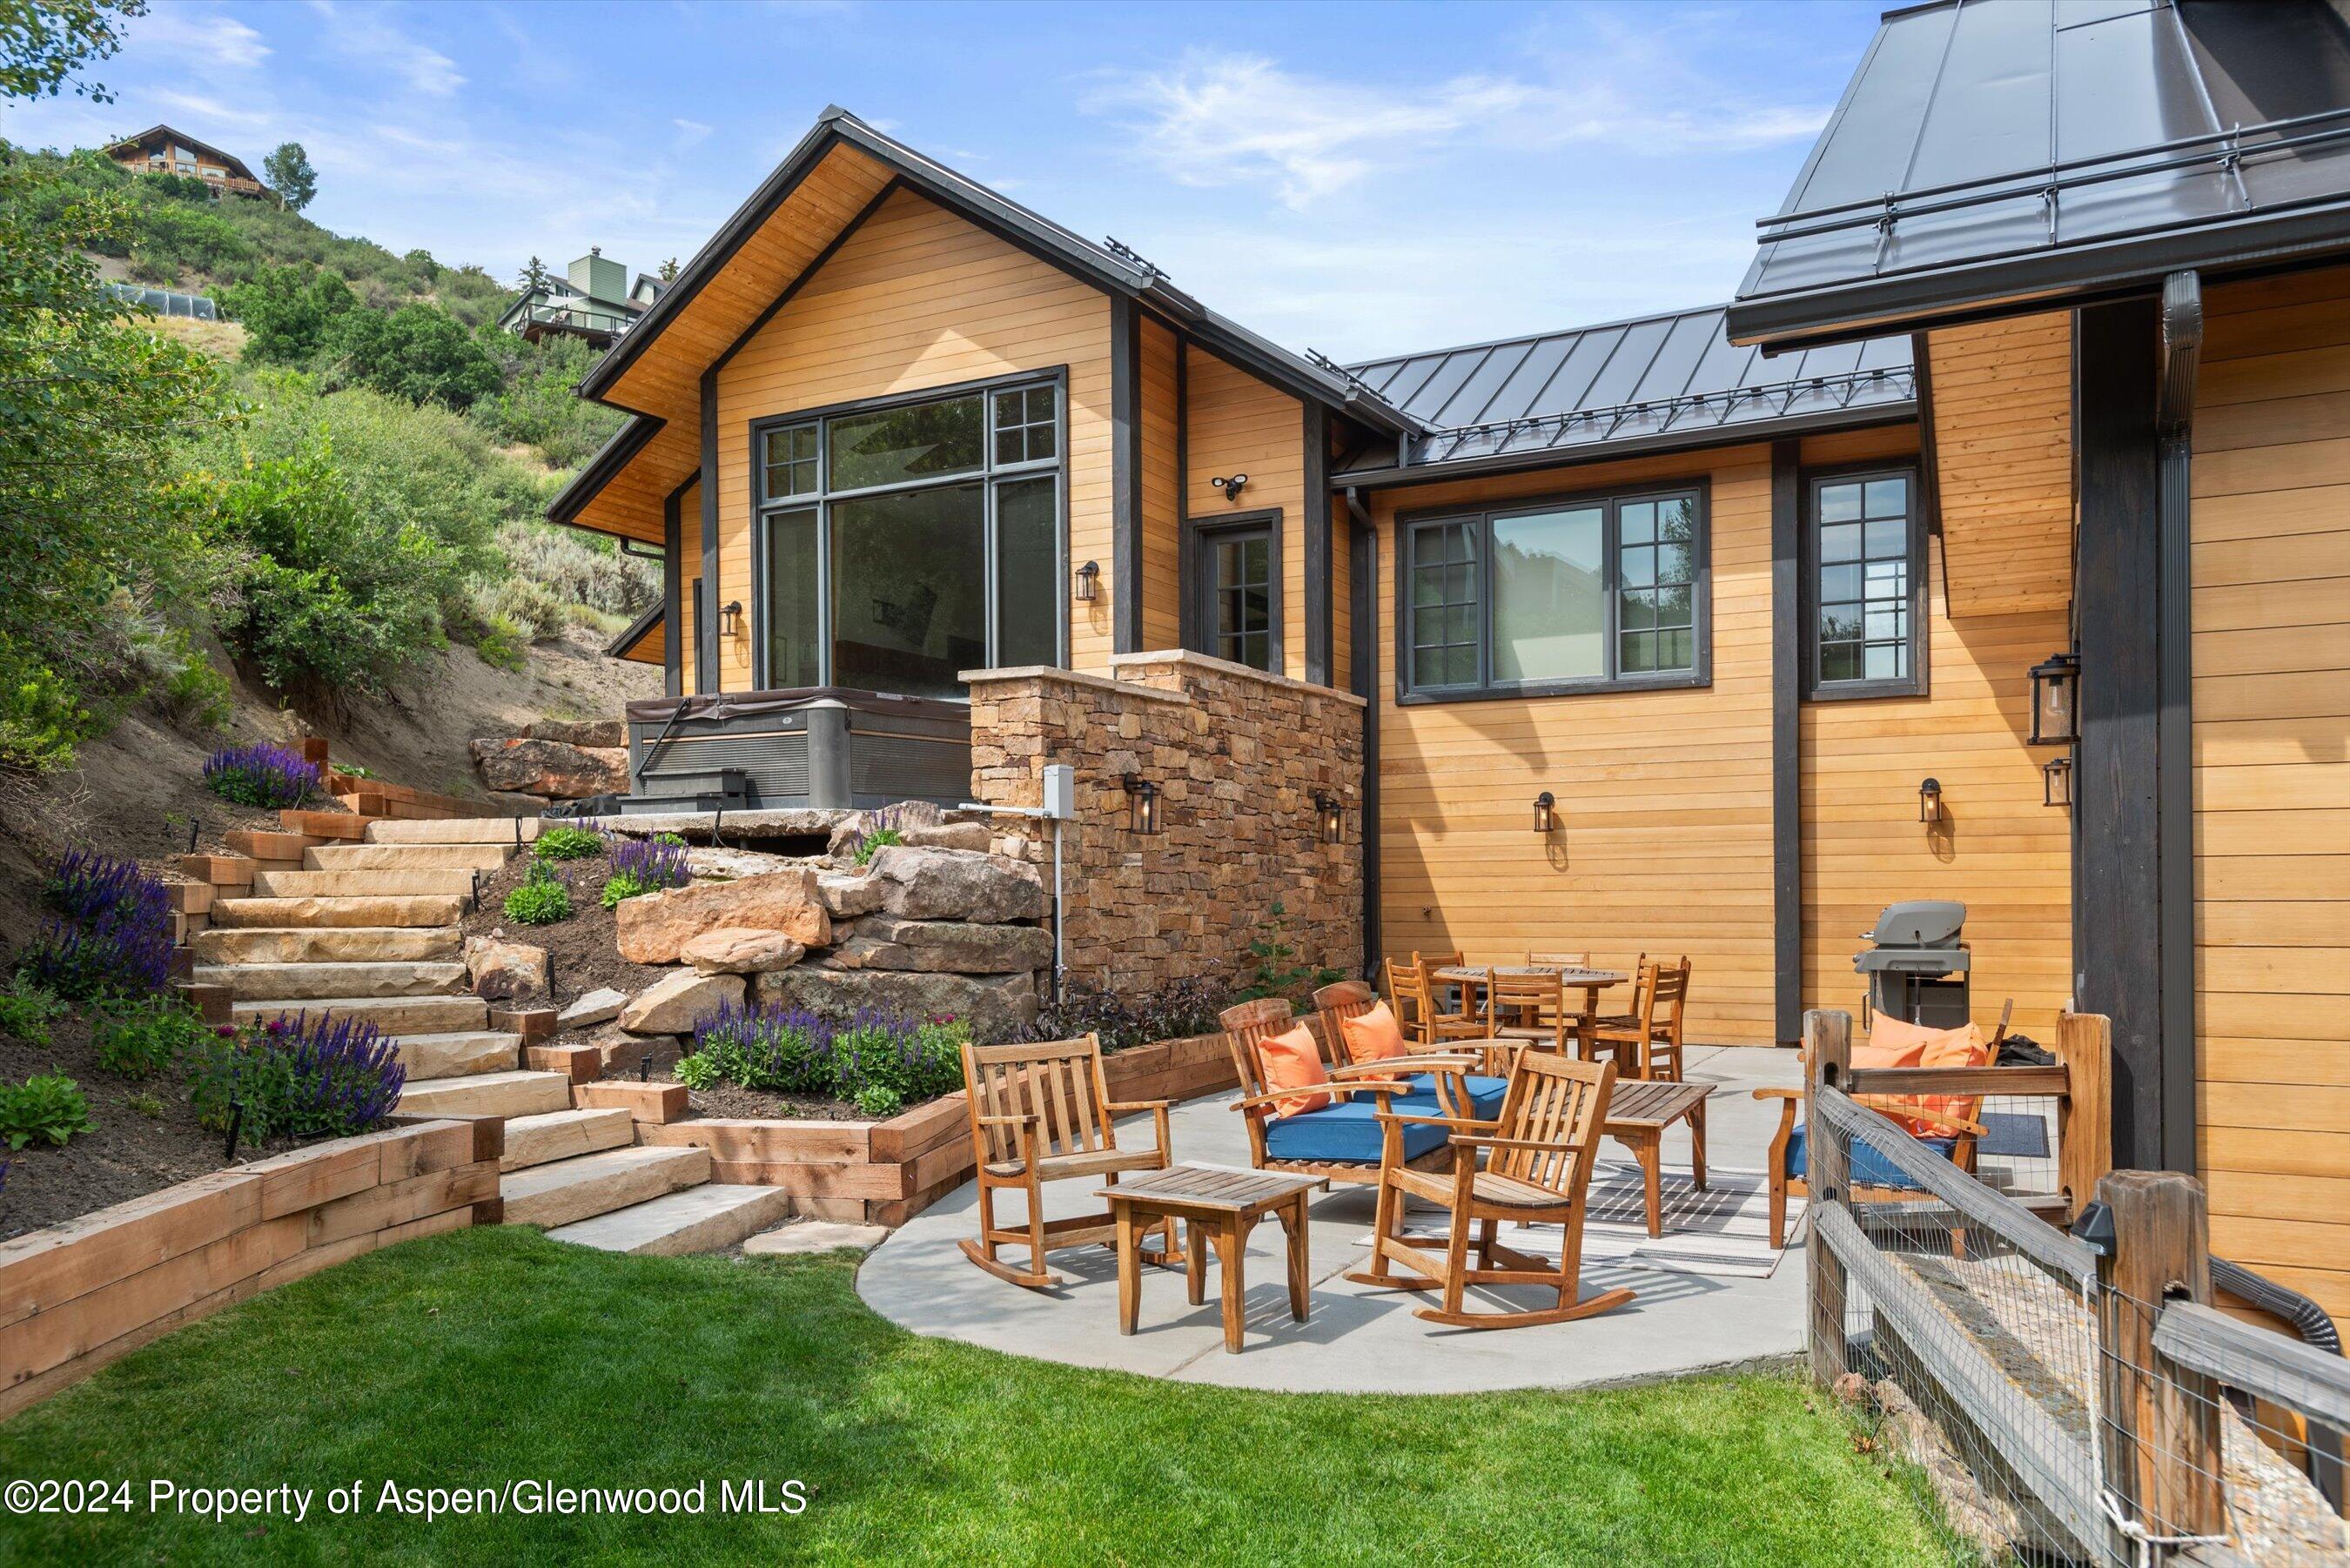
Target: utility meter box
[(1060, 792)]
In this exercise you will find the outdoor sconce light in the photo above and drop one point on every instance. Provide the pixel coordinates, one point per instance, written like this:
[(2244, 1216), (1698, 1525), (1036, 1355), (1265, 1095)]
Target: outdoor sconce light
[(1545, 804), (730, 617), (1330, 817), (2056, 781), (1231, 486), (1089, 582), (1930, 801), (1141, 803), (2055, 686)]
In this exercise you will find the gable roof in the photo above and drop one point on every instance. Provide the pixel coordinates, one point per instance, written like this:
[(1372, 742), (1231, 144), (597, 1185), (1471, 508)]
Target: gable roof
[(1117, 270), (1650, 382), (228, 161), (2056, 150)]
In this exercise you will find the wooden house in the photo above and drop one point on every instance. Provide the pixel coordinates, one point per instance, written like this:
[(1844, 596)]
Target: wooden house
[(159, 149)]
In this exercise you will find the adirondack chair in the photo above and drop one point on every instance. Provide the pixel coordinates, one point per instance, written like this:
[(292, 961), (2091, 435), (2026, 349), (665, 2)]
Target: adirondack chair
[(1341, 1140), (1457, 1092), (1040, 1113), (1536, 1169)]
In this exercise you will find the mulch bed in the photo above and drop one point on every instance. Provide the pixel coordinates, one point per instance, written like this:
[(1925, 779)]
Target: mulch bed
[(764, 1105), (584, 951)]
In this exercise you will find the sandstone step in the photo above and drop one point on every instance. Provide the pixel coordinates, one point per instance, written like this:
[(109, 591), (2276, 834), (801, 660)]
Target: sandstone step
[(407, 856), (517, 1094), (360, 884), (568, 1190), (342, 911), (334, 944), (702, 1219), (560, 1135), (392, 1014), (460, 1053), (302, 982), (455, 830)]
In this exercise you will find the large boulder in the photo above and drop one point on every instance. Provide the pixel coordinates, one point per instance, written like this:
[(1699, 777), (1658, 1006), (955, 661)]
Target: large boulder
[(992, 1004), (848, 894), (949, 947), (957, 885), (551, 768), (600, 1005), (674, 1003), (598, 734), (501, 971), (905, 817), (654, 927), (740, 950), (973, 836)]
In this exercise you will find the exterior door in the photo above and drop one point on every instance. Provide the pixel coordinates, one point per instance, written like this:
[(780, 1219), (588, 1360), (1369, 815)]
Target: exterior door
[(1237, 575)]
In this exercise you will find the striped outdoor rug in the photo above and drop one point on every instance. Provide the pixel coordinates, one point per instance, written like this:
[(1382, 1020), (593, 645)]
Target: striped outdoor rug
[(1724, 1231)]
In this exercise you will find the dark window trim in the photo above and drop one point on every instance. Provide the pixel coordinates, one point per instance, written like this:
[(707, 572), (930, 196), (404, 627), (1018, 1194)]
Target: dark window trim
[(1919, 681), (1700, 596), (1198, 533), (754, 482)]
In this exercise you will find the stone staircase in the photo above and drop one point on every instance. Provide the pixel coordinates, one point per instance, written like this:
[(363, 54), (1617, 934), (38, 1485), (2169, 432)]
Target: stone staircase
[(369, 929)]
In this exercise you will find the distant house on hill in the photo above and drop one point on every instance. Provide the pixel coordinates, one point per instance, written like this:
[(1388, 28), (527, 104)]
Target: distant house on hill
[(159, 149), (594, 300)]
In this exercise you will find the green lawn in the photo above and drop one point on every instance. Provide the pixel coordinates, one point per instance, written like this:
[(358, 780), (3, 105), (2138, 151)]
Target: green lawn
[(484, 1356)]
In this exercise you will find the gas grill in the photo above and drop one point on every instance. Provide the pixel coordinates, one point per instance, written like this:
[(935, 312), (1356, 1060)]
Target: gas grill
[(1917, 967)]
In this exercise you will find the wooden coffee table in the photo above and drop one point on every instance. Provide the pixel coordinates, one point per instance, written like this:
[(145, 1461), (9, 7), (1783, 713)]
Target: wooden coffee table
[(1638, 1112), (1214, 1204)]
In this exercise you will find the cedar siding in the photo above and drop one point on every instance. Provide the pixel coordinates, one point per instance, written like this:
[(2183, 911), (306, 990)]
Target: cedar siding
[(1239, 425)]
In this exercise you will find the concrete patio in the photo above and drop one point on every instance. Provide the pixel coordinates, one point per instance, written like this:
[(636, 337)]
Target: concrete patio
[(1358, 1340)]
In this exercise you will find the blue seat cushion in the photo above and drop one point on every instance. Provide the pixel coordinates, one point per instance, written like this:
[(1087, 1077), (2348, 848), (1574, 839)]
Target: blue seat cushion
[(1484, 1096), (1346, 1133), (1869, 1168)]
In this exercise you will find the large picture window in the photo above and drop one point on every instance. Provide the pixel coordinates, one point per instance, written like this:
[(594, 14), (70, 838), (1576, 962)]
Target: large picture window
[(904, 543), (1865, 581), (1584, 593)]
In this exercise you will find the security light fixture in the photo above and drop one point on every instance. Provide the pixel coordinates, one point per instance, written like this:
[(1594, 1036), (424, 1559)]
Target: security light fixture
[(1930, 801), (1089, 582), (730, 617), (2056, 709), (2056, 781), (1141, 803), (1330, 817), (1546, 811), (1231, 484)]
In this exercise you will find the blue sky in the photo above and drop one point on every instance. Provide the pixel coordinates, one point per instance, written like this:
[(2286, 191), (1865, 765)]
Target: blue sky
[(1358, 178)]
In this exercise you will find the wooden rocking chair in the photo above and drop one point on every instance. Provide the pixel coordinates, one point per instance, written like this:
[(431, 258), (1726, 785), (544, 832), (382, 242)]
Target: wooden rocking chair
[(1537, 1169), (1040, 1113)]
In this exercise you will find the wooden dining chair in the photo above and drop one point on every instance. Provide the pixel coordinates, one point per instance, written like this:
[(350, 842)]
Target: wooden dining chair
[(1667, 1015), (1413, 992), (1559, 961), (1535, 1167), (1648, 1038), (1586, 1011), (1531, 1009)]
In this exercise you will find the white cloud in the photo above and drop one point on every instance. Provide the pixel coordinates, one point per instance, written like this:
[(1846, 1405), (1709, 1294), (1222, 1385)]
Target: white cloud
[(199, 37), (208, 110), (1240, 120), (362, 34), (689, 131)]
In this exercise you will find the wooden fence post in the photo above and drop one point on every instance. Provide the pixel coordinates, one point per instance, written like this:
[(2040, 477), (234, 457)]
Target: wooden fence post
[(2161, 1437), (1828, 1159), (2085, 1118)]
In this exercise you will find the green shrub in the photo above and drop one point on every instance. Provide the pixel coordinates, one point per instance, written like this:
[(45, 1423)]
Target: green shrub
[(502, 645), (418, 352), (917, 1063), (26, 1011), (146, 1038), (47, 1107), (541, 900), (1277, 971), (196, 692), (567, 843), (697, 1071), (287, 311), (873, 843), (42, 720), (619, 888), (579, 569), (294, 1078), (536, 404), (880, 1102), (530, 608)]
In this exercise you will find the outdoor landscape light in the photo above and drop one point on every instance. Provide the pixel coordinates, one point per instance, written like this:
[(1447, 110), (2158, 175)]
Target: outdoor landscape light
[(1141, 803), (2056, 781), (1929, 800), (1331, 817), (2055, 685), (1231, 486), (1089, 582), (730, 617), (1545, 805)]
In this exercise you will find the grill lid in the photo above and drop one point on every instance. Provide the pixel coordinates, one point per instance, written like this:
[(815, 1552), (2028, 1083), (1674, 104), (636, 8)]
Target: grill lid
[(1920, 923)]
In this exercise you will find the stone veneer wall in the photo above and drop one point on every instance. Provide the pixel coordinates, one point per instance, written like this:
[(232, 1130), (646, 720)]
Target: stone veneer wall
[(1237, 756)]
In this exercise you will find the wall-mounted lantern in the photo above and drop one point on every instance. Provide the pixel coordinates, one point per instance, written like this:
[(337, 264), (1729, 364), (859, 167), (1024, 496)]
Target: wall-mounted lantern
[(1141, 803), (1546, 811), (730, 617), (2056, 709), (1089, 582), (1930, 801), (1329, 817), (2056, 781), (1231, 485)]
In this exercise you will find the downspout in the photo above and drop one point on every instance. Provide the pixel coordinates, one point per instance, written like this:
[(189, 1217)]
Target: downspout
[(1363, 666), (2182, 343)]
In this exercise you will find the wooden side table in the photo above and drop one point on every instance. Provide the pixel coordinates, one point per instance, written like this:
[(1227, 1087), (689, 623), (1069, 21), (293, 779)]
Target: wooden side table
[(1637, 1114), (1218, 1205)]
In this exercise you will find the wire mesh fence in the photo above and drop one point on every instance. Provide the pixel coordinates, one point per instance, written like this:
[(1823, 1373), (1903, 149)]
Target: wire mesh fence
[(2071, 1400)]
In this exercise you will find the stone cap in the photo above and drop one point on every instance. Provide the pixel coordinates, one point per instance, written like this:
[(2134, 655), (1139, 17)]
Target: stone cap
[(1180, 658)]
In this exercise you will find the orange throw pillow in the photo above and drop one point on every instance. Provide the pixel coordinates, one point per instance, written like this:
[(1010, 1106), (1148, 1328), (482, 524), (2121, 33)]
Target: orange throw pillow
[(1291, 1060), (1915, 1045), (1373, 1035)]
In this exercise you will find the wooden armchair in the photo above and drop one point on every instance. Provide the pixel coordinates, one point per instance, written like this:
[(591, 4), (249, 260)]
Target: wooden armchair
[(1425, 1018), (1463, 1082), (1341, 1141), (1651, 1033), (1040, 1113), (1536, 1169)]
